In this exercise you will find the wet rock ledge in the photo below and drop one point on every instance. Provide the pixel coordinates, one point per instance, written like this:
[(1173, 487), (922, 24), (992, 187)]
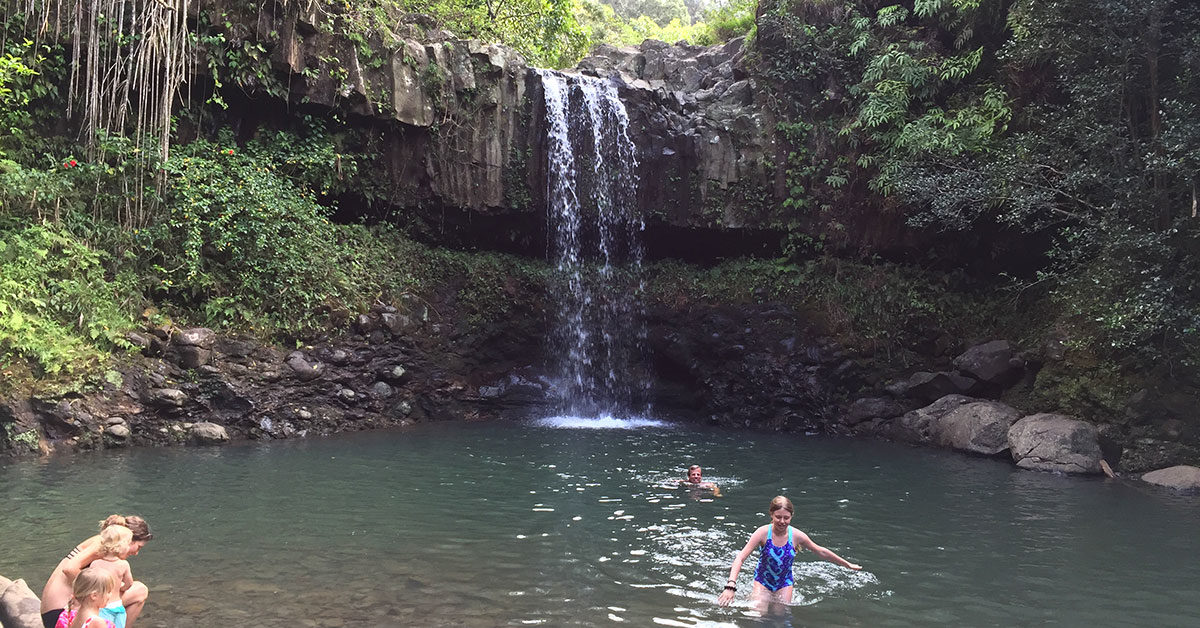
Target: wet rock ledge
[(753, 367), (193, 386)]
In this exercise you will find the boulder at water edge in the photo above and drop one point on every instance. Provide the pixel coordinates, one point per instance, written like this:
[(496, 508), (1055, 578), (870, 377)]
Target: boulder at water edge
[(992, 362), (1180, 478), (921, 426), (19, 607), (928, 387), (1053, 442), (207, 434), (980, 427), (871, 408)]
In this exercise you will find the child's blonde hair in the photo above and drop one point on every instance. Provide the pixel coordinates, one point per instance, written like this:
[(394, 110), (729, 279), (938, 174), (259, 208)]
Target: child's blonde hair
[(782, 502), (91, 581), (141, 529), (115, 540)]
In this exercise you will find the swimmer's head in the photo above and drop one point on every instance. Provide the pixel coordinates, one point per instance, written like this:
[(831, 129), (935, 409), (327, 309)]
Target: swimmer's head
[(781, 513), (694, 474)]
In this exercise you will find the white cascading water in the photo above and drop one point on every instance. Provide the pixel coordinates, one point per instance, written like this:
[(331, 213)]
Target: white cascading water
[(595, 234)]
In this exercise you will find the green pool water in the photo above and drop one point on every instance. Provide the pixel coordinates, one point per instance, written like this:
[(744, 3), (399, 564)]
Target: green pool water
[(514, 524)]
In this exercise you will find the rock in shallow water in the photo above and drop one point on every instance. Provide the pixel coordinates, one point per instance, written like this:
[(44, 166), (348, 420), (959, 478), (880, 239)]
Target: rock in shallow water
[(1180, 477)]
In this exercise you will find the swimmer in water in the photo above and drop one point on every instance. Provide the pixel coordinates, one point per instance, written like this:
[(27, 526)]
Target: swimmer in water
[(773, 579), (695, 479)]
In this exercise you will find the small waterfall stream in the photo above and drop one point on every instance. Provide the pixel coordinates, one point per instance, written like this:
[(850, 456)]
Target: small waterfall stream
[(595, 238)]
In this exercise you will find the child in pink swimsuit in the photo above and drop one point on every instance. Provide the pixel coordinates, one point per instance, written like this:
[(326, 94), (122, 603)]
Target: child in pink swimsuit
[(90, 592)]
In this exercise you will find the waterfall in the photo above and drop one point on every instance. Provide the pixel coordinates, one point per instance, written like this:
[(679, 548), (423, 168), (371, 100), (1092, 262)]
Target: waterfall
[(595, 239)]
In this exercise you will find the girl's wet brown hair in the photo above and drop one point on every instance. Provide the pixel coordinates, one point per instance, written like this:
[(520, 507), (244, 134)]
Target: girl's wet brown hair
[(782, 502), (137, 525)]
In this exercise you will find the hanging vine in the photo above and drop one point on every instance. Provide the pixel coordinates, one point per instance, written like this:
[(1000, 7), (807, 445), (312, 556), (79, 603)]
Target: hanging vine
[(128, 61)]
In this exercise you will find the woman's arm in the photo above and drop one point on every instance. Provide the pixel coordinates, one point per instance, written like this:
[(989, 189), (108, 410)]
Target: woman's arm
[(807, 543), (756, 539), (80, 557)]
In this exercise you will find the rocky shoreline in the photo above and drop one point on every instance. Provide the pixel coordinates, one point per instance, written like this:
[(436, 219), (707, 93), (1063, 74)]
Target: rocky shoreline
[(753, 367)]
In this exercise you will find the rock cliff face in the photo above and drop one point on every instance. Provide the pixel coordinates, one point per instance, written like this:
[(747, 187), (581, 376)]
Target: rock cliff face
[(706, 151), (462, 151), (459, 130)]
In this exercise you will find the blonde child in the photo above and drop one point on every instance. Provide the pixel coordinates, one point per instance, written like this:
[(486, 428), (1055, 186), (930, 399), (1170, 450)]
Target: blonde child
[(90, 591), (773, 579), (57, 591), (114, 547)]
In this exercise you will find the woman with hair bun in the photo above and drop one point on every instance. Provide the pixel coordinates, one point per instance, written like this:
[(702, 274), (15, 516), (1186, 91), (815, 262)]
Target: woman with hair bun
[(773, 579), (57, 591)]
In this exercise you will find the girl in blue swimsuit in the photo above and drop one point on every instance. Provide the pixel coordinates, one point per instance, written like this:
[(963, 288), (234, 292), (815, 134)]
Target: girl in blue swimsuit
[(773, 578)]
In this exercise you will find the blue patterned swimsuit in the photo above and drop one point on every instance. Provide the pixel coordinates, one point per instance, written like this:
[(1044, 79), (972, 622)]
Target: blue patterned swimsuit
[(775, 564)]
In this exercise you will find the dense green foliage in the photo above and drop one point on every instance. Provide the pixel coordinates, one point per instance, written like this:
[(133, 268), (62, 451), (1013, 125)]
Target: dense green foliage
[(555, 33), (1072, 122), (875, 307), (59, 307), (1072, 126)]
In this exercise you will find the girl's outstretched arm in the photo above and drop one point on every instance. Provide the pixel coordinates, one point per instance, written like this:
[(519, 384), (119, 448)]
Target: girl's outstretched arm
[(756, 539), (803, 541)]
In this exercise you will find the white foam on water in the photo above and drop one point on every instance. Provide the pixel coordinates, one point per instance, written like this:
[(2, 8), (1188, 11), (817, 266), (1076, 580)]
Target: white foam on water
[(605, 422)]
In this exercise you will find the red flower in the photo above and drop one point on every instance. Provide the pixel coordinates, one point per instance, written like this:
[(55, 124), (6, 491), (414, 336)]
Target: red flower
[(66, 164), (74, 163), (229, 152)]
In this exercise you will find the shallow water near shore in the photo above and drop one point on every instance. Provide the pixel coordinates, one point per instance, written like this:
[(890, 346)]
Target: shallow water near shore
[(506, 524)]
